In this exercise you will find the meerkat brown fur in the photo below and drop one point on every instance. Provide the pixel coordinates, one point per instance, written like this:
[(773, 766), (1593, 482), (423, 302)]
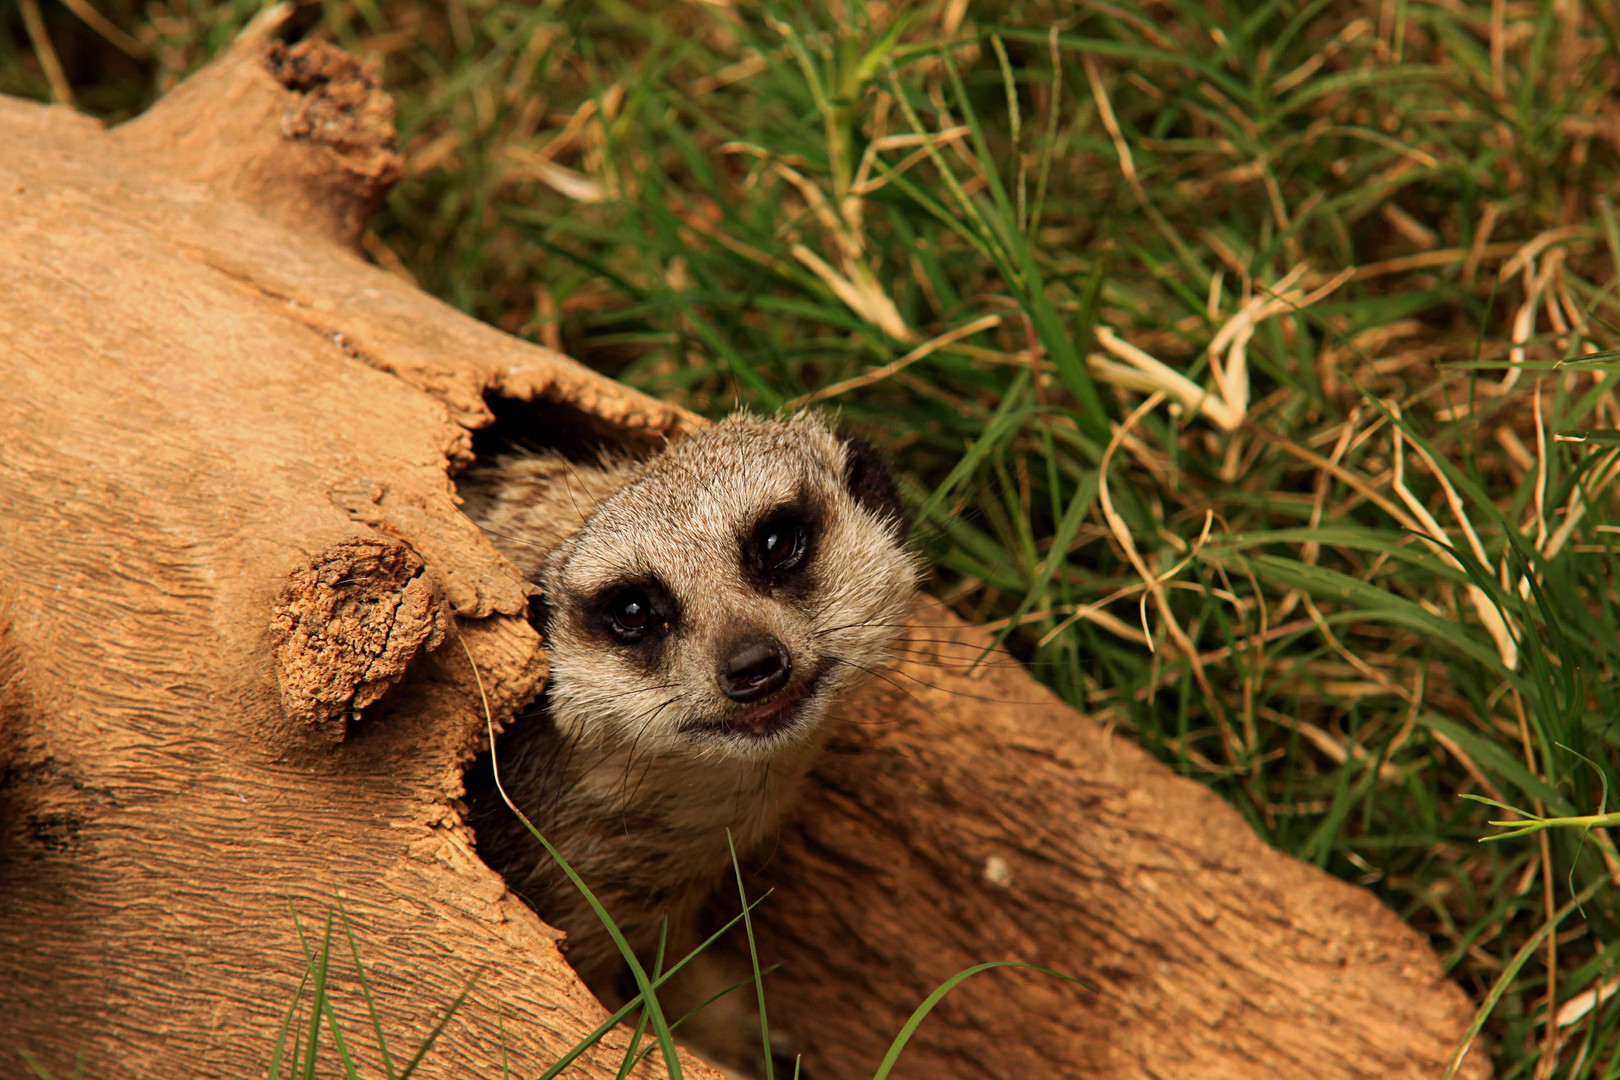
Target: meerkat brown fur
[(704, 611)]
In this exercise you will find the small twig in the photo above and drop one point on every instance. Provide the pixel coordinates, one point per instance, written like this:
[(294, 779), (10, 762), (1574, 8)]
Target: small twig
[(104, 26), (45, 53), (922, 351)]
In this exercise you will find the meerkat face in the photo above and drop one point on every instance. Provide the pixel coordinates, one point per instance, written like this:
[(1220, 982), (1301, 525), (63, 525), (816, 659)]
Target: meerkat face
[(724, 599)]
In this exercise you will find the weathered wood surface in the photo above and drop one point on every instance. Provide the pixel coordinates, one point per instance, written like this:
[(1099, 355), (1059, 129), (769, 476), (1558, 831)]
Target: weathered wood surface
[(234, 589)]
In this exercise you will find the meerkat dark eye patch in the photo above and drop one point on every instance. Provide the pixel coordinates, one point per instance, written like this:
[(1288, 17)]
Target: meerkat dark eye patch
[(633, 612), (781, 545), (782, 541)]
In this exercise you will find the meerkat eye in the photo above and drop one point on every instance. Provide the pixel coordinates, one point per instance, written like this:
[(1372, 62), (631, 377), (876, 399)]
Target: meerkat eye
[(639, 611), (782, 543), (631, 614)]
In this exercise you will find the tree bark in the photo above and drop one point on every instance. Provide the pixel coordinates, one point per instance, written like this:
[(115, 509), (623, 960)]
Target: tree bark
[(237, 606)]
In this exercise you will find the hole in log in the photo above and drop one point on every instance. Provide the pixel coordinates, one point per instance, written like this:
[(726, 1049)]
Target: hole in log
[(538, 426)]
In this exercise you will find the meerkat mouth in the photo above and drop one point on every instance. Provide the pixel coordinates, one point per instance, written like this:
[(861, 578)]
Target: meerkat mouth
[(763, 714), (773, 716)]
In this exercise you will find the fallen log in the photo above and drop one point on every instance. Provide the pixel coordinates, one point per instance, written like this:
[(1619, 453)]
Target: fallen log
[(235, 589)]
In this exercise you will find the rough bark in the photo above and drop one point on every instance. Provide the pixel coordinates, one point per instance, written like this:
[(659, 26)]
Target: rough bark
[(237, 603)]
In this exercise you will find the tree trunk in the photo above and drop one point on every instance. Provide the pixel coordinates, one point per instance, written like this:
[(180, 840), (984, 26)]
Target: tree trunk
[(237, 605)]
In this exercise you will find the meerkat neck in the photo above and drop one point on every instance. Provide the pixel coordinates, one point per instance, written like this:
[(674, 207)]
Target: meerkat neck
[(692, 796)]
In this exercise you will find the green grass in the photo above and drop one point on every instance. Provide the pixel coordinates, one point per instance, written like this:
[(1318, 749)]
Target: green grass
[(957, 228)]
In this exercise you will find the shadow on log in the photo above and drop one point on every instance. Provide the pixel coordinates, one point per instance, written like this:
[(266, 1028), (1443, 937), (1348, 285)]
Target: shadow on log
[(232, 578)]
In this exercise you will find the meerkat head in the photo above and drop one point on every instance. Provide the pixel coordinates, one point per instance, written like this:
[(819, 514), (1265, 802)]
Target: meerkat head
[(724, 599)]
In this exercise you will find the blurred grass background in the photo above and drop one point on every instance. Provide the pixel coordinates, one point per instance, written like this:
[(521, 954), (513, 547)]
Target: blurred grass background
[(1249, 364)]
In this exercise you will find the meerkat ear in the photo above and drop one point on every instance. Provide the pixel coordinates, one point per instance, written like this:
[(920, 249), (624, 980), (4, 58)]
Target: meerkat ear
[(867, 477)]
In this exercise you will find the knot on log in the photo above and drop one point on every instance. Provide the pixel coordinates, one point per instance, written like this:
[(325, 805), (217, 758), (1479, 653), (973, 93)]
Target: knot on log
[(347, 625), (340, 104)]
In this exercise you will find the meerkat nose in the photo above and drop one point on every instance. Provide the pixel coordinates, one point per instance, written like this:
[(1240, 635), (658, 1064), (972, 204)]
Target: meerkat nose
[(756, 668)]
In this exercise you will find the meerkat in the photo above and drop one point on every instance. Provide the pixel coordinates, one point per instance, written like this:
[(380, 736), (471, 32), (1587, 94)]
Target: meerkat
[(703, 612)]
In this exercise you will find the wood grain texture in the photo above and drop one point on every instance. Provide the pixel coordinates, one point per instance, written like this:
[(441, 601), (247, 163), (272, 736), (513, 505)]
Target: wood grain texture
[(234, 594)]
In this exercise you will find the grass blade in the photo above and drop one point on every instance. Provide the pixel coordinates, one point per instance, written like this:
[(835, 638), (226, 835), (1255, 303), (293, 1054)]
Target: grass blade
[(918, 1015)]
